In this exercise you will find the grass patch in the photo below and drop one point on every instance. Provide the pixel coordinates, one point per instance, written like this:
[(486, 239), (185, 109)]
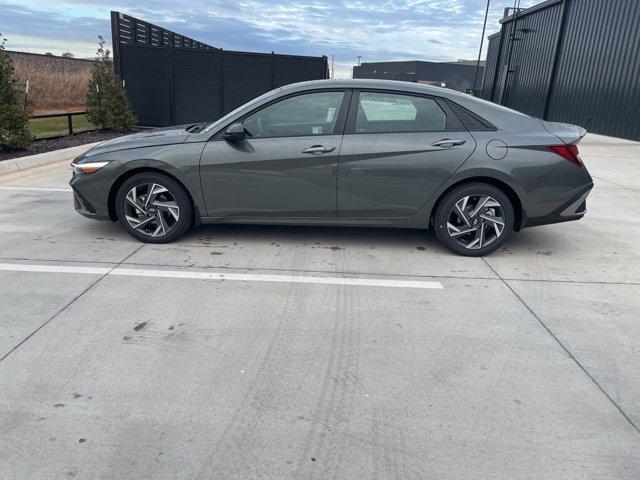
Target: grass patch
[(56, 126), (55, 84)]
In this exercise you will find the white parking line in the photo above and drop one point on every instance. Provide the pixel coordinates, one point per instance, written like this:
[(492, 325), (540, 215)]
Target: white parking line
[(199, 275), (19, 267), (37, 189)]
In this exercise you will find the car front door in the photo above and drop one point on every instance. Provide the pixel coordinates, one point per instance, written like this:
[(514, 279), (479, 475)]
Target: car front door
[(287, 164), (397, 151)]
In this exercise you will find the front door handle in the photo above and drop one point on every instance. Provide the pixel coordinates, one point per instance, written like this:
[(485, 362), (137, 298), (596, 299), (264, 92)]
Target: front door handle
[(448, 143), (317, 149)]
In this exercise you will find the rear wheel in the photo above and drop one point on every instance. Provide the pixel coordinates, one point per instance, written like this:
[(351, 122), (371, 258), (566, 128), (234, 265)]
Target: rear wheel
[(474, 219), (154, 208)]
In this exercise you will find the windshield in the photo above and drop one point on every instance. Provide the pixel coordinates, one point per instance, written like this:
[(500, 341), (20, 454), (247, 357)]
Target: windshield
[(212, 126)]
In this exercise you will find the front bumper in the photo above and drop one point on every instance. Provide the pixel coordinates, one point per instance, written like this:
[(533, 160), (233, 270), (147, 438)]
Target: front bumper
[(82, 205), (91, 192)]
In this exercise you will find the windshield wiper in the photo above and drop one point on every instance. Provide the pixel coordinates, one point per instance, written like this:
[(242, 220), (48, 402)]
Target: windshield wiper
[(196, 127)]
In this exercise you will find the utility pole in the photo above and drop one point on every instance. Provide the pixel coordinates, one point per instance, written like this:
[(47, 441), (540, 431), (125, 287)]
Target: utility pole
[(484, 28), (333, 70)]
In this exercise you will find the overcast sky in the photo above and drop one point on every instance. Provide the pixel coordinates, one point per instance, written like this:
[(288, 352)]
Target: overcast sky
[(437, 30)]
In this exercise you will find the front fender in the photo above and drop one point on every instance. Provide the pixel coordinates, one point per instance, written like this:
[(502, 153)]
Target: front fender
[(179, 161)]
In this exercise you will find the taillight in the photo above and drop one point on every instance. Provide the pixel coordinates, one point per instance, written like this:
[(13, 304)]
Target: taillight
[(568, 152)]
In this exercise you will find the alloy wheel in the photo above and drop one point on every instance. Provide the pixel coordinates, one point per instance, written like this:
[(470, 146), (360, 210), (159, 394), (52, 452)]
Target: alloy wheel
[(476, 221), (151, 209)]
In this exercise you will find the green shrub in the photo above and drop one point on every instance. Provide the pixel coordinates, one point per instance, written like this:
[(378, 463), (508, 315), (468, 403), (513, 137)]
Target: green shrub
[(14, 119), (107, 102)]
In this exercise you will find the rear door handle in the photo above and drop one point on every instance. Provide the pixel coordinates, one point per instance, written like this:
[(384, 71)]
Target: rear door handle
[(317, 149), (447, 143)]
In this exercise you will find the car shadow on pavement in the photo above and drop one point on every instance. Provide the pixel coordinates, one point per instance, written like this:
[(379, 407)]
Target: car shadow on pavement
[(337, 238), (536, 241)]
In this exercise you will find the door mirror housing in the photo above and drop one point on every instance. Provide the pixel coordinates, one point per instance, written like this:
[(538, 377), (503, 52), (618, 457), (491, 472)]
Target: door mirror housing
[(235, 132)]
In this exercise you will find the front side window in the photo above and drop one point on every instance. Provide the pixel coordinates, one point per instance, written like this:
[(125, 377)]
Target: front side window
[(393, 113), (309, 114)]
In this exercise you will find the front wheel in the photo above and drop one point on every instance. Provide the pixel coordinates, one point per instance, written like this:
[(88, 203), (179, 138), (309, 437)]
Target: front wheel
[(154, 208), (474, 219)]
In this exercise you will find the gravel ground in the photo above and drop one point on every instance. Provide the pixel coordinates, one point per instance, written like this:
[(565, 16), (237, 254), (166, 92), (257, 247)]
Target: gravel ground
[(50, 144)]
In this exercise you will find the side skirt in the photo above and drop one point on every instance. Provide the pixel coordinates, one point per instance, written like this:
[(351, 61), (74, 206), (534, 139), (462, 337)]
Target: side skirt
[(410, 222)]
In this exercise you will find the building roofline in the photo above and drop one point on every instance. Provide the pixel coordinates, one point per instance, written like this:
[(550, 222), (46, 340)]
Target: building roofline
[(417, 62), (527, 11)]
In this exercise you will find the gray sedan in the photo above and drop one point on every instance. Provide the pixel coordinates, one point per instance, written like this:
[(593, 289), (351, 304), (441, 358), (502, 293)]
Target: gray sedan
[(356, 153)]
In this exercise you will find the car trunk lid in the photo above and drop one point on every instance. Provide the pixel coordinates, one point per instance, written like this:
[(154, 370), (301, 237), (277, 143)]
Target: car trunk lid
[(569, 134)]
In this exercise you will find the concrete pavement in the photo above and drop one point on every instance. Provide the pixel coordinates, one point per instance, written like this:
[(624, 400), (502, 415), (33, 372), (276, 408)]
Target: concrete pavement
[(523, 365)]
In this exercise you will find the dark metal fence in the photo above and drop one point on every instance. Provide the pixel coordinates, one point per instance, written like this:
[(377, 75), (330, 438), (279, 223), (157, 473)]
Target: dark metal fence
[(172, 79), (57, 115), (61, 131)]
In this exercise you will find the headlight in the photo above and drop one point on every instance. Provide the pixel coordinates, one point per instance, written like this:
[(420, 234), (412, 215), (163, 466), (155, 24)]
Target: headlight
[(87, 168)]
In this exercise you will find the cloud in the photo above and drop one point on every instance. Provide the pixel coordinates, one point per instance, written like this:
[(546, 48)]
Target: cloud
[(34, 31), (376, 30)]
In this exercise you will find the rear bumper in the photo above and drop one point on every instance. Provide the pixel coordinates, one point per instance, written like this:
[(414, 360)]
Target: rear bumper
[(573, 209)]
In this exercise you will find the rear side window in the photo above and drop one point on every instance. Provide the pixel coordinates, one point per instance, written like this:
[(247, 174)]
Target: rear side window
[(393, 113)]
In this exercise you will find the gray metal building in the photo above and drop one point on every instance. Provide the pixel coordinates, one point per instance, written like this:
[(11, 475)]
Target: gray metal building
[(574, 61), (455, 75)]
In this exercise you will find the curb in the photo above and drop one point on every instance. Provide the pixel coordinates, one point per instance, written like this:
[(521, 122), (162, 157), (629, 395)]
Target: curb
[(23, 163)]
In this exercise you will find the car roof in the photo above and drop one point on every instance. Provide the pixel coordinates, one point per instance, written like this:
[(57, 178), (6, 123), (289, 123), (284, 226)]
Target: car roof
[(366, 83)]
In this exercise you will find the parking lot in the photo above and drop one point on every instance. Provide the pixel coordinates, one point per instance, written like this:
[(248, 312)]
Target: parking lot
[(254, 352)]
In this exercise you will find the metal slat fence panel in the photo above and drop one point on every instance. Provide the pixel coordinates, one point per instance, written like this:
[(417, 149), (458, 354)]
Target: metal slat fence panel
[(296, 69), (246, 76), (147, 71), (195, 72)]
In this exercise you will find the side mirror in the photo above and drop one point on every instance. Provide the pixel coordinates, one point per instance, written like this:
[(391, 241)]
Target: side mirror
[(235, 132)]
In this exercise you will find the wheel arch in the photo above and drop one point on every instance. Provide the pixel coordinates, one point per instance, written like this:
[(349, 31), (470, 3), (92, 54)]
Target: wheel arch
[(512, 195), (113, 191)]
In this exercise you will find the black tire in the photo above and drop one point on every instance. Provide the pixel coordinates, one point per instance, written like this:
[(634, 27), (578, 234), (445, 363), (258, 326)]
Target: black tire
[(174, 192), (445, 212)]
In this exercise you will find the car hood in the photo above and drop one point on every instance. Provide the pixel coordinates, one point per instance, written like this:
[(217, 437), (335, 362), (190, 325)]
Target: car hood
[(149, 138)]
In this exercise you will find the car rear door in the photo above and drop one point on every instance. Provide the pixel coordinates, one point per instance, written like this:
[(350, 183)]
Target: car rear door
[(287, 164), (397, 150)]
